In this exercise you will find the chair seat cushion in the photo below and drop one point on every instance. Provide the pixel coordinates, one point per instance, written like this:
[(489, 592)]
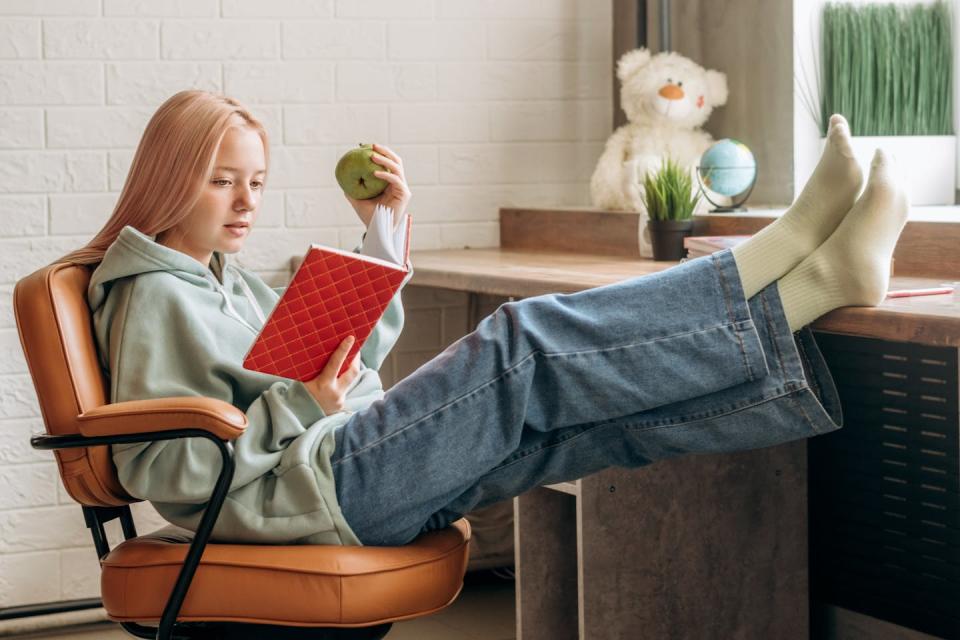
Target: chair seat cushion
[(303, 585)]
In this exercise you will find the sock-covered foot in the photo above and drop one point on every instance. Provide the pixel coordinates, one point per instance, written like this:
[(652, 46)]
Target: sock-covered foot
[(780, 246), (852, 266)]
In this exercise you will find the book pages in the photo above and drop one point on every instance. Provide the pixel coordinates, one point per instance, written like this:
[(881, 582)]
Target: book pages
[(386, 238)]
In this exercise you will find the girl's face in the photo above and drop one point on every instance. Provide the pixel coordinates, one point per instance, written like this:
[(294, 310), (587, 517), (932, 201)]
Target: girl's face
[(229, 202)]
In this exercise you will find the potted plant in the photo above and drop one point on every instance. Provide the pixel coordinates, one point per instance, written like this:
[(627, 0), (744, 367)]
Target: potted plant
[(670, 200), (888, 69)]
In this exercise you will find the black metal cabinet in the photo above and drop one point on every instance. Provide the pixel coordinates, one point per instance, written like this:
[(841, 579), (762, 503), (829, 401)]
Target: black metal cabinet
[(885, 489)]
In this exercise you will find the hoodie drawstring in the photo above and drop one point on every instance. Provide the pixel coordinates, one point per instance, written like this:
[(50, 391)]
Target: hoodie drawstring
[(231, 311), (250, 297)]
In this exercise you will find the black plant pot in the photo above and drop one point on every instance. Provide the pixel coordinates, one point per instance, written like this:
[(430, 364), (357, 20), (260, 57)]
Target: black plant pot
[(667, 237)]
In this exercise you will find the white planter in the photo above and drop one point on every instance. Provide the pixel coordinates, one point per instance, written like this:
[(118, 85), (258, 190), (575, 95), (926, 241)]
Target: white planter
[(646, 243), (927, 164)]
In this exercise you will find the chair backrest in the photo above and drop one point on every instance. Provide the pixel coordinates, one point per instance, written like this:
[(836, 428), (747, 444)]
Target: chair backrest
[(56, 333)]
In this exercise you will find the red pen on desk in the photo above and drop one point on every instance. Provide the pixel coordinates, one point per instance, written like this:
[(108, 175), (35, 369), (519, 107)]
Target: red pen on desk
[(904, 293)]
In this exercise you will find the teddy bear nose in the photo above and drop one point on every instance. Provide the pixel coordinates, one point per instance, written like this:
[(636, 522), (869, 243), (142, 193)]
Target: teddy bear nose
[(671, 92)]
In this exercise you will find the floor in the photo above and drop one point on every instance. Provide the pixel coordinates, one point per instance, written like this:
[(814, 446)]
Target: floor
[(484, 611)]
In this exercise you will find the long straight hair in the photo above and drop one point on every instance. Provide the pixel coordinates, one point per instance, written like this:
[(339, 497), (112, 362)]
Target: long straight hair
[(172, 164)]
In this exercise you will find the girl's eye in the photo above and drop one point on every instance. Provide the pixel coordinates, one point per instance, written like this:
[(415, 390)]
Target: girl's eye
[(223, 182)]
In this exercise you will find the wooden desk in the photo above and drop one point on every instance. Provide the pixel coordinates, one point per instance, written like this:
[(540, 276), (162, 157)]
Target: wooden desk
[(696, 547), (518, 273)]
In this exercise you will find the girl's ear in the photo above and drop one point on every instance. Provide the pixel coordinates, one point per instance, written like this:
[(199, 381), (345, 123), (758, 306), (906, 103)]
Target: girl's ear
[(717, 88), (632, 61)]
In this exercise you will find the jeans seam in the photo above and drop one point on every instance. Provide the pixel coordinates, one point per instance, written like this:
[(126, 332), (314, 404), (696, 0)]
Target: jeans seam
[(806, 416), (788, 391), (803, 356), (726, 302), (812, 378), (509, 371), (736, 326), (772, 333)]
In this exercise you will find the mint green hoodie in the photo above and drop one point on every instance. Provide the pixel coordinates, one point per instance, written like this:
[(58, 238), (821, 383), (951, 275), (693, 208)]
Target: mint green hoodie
[(167, 325)]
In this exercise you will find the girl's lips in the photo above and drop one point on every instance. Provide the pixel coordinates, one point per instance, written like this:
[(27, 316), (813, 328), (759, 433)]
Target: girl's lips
[(237, 230)]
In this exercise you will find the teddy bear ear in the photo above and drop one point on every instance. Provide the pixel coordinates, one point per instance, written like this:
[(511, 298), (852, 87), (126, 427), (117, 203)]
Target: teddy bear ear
[(631, 61), (717, 87)]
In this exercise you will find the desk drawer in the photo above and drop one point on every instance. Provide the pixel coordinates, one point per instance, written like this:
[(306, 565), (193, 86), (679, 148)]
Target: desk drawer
[(885, 489)]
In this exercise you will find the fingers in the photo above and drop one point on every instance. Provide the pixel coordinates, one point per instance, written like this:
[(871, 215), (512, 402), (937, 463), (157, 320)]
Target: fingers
[(386, 151), (352, 371), (337, 357), (391, 165), (388, 159), (392, 178), (355, 363)]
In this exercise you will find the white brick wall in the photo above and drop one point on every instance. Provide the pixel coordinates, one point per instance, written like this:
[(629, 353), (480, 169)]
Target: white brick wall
[(490, 103)]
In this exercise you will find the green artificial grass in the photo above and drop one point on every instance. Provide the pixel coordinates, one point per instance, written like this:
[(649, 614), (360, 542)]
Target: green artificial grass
[(668, 192), (888, 68)]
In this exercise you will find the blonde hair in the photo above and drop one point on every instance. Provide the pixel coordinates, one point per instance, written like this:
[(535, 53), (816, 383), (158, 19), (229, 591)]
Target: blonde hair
[(174, 159)]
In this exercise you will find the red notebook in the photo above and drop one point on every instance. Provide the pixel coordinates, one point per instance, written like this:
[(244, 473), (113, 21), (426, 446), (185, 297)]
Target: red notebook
[(332, 295)]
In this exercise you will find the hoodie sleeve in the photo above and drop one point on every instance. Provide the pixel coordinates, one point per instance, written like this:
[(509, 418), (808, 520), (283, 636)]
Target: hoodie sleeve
[(171, 351), (387, 331)]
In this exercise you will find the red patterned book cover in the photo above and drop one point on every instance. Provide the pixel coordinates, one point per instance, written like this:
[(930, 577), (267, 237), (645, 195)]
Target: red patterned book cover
[(332, 295)]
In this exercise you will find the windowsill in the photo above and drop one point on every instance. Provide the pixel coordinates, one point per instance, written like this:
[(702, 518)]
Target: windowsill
[(926, 213), (925, 249), (922, 213)]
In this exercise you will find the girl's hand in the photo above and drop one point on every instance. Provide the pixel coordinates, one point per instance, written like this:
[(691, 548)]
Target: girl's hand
[(397, 194), (327, 389)]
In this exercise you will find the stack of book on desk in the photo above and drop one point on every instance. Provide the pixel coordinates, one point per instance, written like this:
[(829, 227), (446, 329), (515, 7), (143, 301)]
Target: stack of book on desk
[(697, 246)]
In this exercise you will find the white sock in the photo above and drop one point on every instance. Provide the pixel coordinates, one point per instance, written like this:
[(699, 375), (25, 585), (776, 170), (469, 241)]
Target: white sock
[(780, 246), (852, 267)]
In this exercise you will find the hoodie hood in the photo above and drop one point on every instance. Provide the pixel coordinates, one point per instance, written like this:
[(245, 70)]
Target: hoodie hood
[(134, 253)]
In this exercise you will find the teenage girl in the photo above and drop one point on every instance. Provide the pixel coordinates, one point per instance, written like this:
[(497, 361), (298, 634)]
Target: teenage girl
[(708, 356)]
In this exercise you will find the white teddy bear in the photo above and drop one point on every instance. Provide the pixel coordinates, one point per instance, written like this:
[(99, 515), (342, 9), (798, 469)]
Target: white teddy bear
[(666, 97)]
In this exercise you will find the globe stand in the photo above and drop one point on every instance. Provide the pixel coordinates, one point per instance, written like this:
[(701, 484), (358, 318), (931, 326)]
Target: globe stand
[(734, 206)]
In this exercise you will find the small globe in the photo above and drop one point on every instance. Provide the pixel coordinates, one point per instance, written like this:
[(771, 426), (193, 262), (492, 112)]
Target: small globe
[(728, 168)]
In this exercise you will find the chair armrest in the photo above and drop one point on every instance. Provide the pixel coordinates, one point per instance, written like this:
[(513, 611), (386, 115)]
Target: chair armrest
[(220, 418)]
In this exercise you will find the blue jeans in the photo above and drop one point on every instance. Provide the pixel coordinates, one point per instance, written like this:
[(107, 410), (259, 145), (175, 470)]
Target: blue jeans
[(559, 386)]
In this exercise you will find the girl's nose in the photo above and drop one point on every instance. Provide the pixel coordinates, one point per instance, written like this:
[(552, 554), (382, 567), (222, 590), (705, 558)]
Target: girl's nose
[(246, 199)]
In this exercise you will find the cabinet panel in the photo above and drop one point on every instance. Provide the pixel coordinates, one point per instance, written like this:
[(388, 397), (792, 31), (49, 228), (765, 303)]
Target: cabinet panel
[(884, 490)]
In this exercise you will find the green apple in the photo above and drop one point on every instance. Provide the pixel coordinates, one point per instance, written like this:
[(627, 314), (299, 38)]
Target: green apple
[(355, 173)]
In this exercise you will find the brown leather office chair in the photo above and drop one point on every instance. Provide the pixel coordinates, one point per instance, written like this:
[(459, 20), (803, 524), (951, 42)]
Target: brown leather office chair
[(172, 578)]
